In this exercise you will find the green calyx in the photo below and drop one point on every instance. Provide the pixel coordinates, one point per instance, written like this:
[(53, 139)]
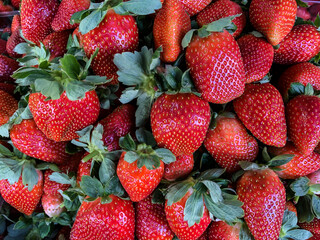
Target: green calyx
[(297, 89)]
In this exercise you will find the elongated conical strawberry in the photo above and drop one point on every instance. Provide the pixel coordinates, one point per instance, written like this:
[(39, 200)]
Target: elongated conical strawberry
[(194, 6), (16, 23), (8, 105)]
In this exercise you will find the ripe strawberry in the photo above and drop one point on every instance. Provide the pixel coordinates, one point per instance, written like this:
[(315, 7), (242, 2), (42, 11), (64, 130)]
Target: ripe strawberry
[(8, 106), (181, 168), (257, 55), (7, 67), (7, 87), (5, 8), (216, 67), (194, 6), (261, 110), (221, 9), (219, 230), (79, 36), (291, 207), (3, 46), (18, 195), (57, 42), (60, 119), (12, 42), (264, 198), (115, 34), (179, 122), (303, 119), (170, 26), (313, 227), (16, 3), (300, 45), (151, 222), (66, 9), (28, 138), (303, 13), (83, 168), (16, 23), (273, 18), (36, 18), (204, 236), (230, 143), (112, 221), (300, 165)]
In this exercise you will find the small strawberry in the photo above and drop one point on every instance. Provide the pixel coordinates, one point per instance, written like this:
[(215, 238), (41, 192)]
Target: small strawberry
[(84, 168), (313, 227), (261, 110), (12, 42), (219, 230), (8, 87), (151, 222), (7, 67), (257, 55), (8, 106), (5, 8), (181, 168), (16, 23), (220, 9), (300, 45), (57, 42), (273, 18), (194, 6), (16, 3)]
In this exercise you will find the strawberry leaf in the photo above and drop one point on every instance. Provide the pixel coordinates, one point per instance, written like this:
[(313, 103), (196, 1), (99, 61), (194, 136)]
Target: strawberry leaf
[(70, 66), (193, 210), (10, 169), (214, 191), (61, 178), (49, 88), (280, 160), (177, 191), (297, 234), (166, 155), (142, 114), (304, 209), (300, 186), (44, 229), (211, 174), (106, 170), (127, 143), (296, 89), (315, 203), (76, 90), (5, 152), (91, 186), (144, 136), (91, 21), (245, 233), (29, 175), (128, 95), (113, 186), (301, 3), (138, 7)]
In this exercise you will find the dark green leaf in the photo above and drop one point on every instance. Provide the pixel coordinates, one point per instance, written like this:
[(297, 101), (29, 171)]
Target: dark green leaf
[(5, 151), (265, 155), (177, 192), (166, 155), (304, 210), (91, 186), (138, 7), (144, 103), (106, 170), (106, 200), (301, 3), (91, 21), (78, 16), (298, 234), (300, 186), (150, 161), (187, 38), (50, 89), (289, 221), (46, 165), (193, 211), (211, 174), (144, 136), (296, 88), (280, 160), (76, 90), (44, 229), (128, 95), (245, 233), (127, 143), (60, 178), (315, 204), (70, 66), (214, 191), (29, 175)]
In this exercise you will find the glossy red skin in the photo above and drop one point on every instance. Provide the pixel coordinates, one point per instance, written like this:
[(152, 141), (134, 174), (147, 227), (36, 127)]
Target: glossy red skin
[(36, 18), (7, 67), (273, 18), (115, 34), (83, 168), (112, 221), (216, 67), (66, 9), (257, 55), (151, 222), (303, 119), (175, 216), (12, 42), (16, 23), (139, 183), (179, 122), (8, 106), (313, 227), (19, 197), (60, 119), (300, 45), (261, 110), (300, 165), (170, 26), (29, 139), (194, 6), (180, 168), (220, 230), (57, 42), (229, 143), (264, 198), (221, 9)]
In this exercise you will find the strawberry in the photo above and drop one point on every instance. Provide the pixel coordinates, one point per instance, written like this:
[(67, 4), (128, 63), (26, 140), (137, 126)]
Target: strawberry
[(204, 236), (273, 18), (291, 207), (3, 46), (257, 55), (16, 23), (5, 8), (8, 87), (16, 3), (28, 138), (18, 195), (219, 230), (66, 9), (181, 168), (303, 13), (8, 106), (113, 221), (56, 42), (313, 227), (36, 18), (84, 168), (303, 121), (314, 179), (12, 42), (300, 45), (151, 222), (179, 122), (230, 143), (211, 56), (303, 73), (261, 110), (264, 198), (220, 9), (194, 6), (170, 26), (7, 67)]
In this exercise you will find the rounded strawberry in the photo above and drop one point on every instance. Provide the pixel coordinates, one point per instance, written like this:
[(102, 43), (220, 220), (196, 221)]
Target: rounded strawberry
[(181, 168), (56, 43), (8, 106), (220, 230), (194, 6), (7, 67)]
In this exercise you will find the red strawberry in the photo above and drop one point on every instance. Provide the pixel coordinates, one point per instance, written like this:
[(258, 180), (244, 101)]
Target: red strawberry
[(151, 222), (12, 42), (66, 9), (7, 67), (303, 73), (170, 26), (230, 143), (8, 106), (28, 138), (60, 119), (18, 195), (115, 34), (257, 55), (16, 23), (313, 227), (112, 221), (16, 3), (303, 13), (3, 46), (36, 18), (5, 8), (204, 236), (179, 122), (181, 168), (264, 198), (221, 9), (219, 230), (7, 87), (216, 67), (83, 168), (291, 207), (300, 165), (79, 36), (261, 110), (194, 6), (303, 119), (57, 42), (273, 18), (300, 45)]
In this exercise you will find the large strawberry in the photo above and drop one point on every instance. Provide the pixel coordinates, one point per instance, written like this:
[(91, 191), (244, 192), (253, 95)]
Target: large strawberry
[(170, 26), (194, 6), (56, 42), (313, 227), (8, 105), (273, 18), (179, 122), (7, 67), (220, 230), (180, 168), (261, 110)]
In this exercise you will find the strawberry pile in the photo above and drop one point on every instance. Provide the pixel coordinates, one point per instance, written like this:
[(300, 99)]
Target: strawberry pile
[(149, 119)]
